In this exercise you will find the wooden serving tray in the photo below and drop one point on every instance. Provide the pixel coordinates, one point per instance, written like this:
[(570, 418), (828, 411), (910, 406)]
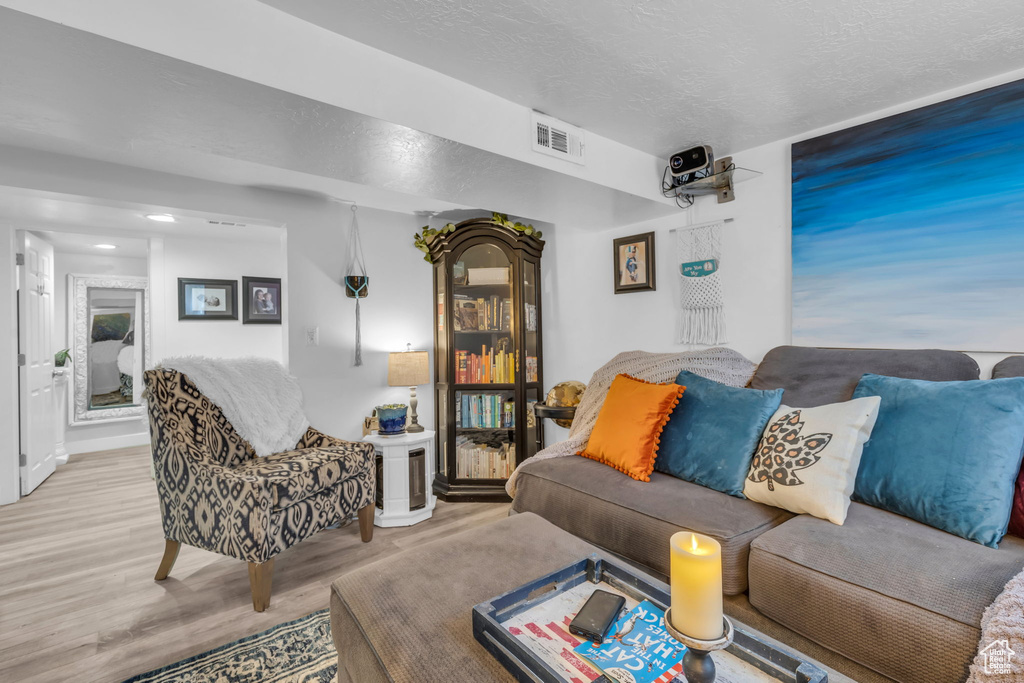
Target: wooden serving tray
[(748, 658)]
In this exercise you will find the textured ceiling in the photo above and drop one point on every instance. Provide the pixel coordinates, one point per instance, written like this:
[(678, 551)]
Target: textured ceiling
[(75, 90), (657, 74)]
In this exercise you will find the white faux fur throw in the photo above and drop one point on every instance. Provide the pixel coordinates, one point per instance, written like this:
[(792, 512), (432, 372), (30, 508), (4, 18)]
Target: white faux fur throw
[(719, 364), (1002, 626), (258, 396)]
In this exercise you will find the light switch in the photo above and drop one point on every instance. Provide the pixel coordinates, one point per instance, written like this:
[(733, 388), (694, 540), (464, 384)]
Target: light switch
[(312, 336)]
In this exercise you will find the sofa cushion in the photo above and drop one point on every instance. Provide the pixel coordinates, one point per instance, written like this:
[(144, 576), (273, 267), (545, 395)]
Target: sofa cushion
[(711, 435), (890, 593), (1011, 366), (814, 377), (296, 475), (629, 425), (945, 453), (636, 519), (807, 461)]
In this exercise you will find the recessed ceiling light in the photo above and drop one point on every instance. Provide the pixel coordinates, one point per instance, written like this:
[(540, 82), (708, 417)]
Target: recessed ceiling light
[(105, 246), (160, 217)]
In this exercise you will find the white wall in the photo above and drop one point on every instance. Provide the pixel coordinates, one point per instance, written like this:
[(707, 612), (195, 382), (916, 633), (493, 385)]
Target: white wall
[(337, 394), (9, 473), (585, 323), (88, 438), (397, 311), (213, 258)]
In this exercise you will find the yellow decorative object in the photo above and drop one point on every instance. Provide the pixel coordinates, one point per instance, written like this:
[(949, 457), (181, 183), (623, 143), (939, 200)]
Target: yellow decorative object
[(565, 395), (696, 575)]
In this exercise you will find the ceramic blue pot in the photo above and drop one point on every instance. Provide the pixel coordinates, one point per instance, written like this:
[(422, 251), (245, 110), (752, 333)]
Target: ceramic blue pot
[(391, 419)]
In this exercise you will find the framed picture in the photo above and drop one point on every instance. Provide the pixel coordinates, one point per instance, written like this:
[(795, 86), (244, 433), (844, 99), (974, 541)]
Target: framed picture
[(261, 300), (634, 263), (201, 299)]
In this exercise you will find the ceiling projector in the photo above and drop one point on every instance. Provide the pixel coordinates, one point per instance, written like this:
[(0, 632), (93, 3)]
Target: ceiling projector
[(686, 164)]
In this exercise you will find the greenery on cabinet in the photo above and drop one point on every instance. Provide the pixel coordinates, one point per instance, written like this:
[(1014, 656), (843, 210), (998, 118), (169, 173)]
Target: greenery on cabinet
[(488, 360), (423, 239)]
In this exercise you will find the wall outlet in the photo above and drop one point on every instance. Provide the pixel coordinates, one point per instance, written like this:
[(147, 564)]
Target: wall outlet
[(312, 336)]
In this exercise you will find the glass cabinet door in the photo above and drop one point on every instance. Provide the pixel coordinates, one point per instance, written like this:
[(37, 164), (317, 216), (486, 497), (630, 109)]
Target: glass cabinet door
[(484, 370), (533, 438), (482, 316)]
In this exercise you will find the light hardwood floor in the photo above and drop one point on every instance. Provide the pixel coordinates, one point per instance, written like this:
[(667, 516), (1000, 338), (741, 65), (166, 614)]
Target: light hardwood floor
[(77, 559)]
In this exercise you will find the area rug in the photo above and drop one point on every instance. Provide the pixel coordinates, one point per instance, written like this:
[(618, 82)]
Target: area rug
[(299, 651)]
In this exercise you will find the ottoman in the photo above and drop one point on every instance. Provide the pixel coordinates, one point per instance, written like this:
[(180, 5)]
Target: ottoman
[(409, 617)]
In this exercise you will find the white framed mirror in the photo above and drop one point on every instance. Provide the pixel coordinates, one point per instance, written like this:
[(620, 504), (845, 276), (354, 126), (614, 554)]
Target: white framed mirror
[(110, 338)]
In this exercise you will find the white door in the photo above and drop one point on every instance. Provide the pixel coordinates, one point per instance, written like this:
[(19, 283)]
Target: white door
[(35, 342)]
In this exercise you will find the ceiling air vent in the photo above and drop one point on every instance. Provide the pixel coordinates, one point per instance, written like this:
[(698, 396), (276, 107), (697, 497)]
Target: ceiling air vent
[(558, 139), (227, 224)]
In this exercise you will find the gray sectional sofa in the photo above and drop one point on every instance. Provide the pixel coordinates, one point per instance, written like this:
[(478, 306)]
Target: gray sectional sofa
[(880, 598)]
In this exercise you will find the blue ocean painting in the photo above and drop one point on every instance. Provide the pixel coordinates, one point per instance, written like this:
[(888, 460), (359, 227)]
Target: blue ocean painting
[(908, 231)]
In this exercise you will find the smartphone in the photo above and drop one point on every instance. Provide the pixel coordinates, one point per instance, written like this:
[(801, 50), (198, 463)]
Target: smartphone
[(597, 615)]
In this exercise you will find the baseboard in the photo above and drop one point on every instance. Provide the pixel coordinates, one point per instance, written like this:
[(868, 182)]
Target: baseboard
[(107, 443)]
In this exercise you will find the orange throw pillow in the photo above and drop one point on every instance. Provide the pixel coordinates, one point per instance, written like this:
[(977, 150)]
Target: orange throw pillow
[(628, 429)]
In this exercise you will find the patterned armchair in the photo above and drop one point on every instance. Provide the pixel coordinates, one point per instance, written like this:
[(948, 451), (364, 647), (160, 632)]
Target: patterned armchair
[(217, 495)]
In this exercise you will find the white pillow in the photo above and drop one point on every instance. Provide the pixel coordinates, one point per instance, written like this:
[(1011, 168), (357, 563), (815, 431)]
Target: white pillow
[(808, 457)]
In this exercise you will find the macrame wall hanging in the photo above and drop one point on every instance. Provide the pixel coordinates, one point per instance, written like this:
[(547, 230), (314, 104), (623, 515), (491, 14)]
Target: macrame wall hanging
[(701, 310), (357, 286)]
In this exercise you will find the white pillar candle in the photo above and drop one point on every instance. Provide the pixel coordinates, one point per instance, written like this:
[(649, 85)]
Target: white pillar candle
[(696, 585)]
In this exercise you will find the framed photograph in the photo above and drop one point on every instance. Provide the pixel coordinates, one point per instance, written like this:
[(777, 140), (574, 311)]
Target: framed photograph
[(261, 300), (201, 299), (634, 263)]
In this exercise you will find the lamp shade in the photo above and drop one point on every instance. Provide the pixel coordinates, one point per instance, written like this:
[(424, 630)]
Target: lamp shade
[(408, 368)]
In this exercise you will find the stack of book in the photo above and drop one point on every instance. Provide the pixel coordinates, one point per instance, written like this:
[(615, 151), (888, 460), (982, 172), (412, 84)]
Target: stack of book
[(487, 367), (492, 314), (480, 461), (484, 411)]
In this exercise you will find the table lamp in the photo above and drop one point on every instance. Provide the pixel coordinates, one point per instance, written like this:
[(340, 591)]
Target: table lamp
[(408, 369)]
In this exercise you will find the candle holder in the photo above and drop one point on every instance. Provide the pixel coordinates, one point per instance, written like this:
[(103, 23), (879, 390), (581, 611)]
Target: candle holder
[(698, 666)]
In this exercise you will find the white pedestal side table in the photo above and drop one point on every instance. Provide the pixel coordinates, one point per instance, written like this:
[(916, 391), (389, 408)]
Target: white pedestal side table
[(405, 473)]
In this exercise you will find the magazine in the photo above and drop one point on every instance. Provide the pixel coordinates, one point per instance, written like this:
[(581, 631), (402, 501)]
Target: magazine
[(545, 630), (637, 648)]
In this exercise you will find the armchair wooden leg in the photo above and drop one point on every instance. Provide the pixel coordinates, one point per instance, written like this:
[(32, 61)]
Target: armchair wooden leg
[(171, 549), (260, 578), (366, 522)]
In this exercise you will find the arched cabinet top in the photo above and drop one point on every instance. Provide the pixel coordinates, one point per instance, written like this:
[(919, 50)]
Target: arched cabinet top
[(482, 227)]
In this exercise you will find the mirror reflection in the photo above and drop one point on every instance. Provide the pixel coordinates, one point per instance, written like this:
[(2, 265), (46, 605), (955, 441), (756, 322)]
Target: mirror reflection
[(115, 357)]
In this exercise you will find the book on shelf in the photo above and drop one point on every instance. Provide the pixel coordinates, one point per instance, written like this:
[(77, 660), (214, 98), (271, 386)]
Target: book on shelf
[(476, 459), (487, 367), (467, 316), (484, 411), (494, 314), (531, 368), (531, 318)]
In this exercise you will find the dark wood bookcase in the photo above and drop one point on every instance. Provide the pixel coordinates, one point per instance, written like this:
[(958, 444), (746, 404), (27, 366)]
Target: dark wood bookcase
[(488, 368)]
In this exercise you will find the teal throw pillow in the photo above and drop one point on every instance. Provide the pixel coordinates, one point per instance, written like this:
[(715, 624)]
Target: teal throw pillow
[(711, 435), (944, 453)]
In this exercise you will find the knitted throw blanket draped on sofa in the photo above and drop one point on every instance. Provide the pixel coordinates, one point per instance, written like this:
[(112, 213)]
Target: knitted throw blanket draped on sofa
[(718, 364)]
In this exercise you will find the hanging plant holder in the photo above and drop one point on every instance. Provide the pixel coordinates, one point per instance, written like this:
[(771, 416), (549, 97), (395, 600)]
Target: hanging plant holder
[(357, 284)]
